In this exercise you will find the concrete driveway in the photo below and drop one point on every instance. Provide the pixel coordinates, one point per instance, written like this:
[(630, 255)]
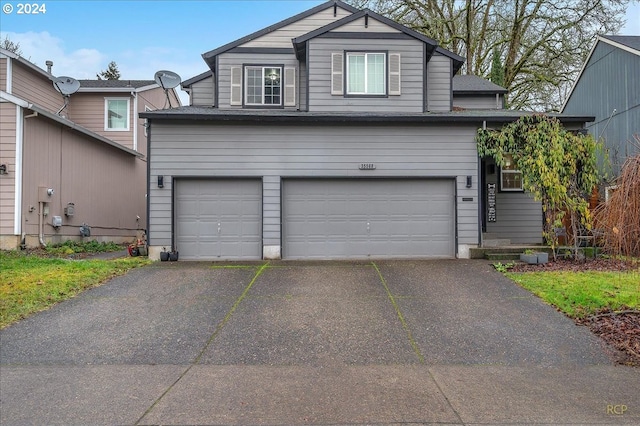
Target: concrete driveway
[(384, 342)]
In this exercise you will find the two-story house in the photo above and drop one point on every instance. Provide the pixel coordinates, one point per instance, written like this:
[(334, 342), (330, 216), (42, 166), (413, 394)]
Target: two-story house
[(334, 134), (74, 171)]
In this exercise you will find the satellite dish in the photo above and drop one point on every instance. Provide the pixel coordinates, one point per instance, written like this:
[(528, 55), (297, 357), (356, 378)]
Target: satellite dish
[(167, 79), (66, 85)]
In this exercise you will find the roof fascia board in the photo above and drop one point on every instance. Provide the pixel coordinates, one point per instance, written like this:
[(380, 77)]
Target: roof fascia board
[(13, 99), (355, 119), (72, 125), (208, 56), (26, 63), (197, 78), (619, 45)]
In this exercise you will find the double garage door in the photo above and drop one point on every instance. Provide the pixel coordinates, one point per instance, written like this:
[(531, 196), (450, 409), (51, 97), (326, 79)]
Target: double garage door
[(321, 218)]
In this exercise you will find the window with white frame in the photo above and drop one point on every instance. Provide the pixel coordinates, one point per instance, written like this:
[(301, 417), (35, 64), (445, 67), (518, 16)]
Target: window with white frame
[(263, 85), (366, 73), (116, 114), (510, 177)]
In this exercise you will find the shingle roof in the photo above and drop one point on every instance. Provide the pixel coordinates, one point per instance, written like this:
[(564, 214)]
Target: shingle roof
[(471, 84), (632, 42), (99, 84)]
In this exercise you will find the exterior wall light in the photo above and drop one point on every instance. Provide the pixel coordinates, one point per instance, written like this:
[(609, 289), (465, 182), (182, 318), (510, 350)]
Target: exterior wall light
[(3, 169)]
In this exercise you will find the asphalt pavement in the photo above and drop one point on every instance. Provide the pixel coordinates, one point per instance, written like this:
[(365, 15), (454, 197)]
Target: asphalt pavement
[(323, 343)]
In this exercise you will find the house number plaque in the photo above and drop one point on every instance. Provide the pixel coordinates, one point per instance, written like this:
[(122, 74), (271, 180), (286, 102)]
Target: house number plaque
[(491, 202), (367, 166)]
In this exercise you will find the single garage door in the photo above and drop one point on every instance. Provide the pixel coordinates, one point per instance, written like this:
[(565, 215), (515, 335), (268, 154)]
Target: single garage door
[(218, 219), (360, 218)]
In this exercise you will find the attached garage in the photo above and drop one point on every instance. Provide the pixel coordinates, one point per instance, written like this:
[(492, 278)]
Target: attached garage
[(361, 218), (218, 219)]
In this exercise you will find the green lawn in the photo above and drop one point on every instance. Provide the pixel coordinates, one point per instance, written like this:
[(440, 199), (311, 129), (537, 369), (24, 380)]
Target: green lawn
[(580, 294), (30, 283)]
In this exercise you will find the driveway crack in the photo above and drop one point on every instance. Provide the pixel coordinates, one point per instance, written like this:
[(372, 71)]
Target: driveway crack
[(210, 340), (405, 326)]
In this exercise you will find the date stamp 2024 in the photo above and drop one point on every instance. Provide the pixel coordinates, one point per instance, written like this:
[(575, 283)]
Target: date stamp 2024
[(25, 8)]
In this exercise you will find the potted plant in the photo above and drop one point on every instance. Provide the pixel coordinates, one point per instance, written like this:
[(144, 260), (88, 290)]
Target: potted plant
[(529, 256), (543, 257), (164, 255)]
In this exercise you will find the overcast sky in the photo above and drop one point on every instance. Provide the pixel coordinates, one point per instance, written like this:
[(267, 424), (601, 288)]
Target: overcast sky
[(144, 36)]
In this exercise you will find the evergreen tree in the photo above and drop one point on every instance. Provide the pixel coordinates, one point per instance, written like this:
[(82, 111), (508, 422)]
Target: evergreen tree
[(497, 70), (111, 73)]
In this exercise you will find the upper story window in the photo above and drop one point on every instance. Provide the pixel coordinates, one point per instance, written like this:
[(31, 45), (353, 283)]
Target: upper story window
[(366, 73), (510, 177), (263, 86), (116, 114)]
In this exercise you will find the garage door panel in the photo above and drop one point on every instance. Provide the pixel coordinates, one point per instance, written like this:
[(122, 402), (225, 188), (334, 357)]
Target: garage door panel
[(359, 218), (218, 219)]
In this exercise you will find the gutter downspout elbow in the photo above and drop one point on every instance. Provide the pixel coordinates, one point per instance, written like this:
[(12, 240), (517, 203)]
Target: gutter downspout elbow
[(41, 224)]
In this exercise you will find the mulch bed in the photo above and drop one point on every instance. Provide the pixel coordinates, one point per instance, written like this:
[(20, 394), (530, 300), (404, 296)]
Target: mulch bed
[(619, 330)]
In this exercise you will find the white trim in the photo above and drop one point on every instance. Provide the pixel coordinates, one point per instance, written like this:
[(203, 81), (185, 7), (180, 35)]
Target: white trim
[(135, 118), (619, 45), (366, 73), (17, 212), (106, 114), (262, 88), (146, 121), (9, 88), (13, 99)]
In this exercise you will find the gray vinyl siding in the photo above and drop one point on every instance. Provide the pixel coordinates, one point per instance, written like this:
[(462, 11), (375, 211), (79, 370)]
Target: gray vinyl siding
[(610, 81), (412, 60), (282, 36), (203, 93), (477, 102), (518, 215), (274, 152), (439, 83), (228, 60)]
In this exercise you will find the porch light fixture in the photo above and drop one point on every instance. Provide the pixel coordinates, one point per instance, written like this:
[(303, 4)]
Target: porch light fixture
[(160, 181), (3, 169), (469, 181)]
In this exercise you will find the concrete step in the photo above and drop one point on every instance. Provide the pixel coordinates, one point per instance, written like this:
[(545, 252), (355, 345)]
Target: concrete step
[(499, 242), (502, 256)]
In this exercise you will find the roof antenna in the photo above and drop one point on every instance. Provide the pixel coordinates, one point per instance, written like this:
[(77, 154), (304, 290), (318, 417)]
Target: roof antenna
[(167, 80), (67, 86)]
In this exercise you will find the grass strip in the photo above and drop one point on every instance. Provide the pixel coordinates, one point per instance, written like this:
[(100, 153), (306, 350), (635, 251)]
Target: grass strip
[(582, 294), (405, 326), (30, 284)]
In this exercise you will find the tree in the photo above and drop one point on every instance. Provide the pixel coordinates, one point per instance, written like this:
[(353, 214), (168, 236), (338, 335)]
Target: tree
[(111, 73), (11, 46), (542, 43), (558, 167), (497, 71)]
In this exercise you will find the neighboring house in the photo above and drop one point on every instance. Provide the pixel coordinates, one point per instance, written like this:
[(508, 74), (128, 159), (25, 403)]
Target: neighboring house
[(608, 87), (91, 155), (333, 134)]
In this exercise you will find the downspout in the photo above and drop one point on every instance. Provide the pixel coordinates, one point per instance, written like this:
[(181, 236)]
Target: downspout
[(135, 120), (41, 223)]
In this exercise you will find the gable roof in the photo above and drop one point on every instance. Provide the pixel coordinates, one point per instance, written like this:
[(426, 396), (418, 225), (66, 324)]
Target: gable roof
[(187, 83), (209, 57), (432, 45), (474, 85), (630, 44)]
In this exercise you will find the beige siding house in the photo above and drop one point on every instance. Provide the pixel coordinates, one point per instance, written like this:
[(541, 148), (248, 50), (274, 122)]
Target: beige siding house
[(82, 166)]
